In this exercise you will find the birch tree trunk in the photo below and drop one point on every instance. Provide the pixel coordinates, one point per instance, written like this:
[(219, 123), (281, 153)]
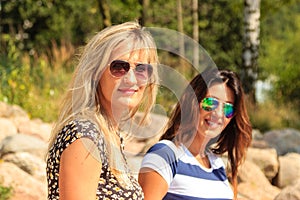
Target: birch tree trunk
[(250, 46), (180, 29), (195, 34)]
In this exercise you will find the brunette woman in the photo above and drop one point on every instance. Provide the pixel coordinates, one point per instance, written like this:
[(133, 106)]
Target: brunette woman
[(209, 120)]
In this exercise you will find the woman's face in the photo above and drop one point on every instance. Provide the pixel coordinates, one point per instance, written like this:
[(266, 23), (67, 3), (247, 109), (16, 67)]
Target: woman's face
[(119, 94), (212, 123)]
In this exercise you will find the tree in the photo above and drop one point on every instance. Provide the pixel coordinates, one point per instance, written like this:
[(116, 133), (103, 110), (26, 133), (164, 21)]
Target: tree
[(250, 46), (279, 61), (144, 20), (34, 25), (220, 32), (105, 12), (180, 29), (195, 33)]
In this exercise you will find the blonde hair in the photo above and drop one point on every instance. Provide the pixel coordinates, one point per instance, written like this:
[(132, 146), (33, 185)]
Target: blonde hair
[(82, 100)]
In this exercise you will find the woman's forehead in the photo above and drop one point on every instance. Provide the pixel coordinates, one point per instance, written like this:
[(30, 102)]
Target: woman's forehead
[(221, 91), (124, 52)]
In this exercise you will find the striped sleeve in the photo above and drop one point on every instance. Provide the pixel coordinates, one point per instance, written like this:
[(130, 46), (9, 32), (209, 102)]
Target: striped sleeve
[(162, 158)]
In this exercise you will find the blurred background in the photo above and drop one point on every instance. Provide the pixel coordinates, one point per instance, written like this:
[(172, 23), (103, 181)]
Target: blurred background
[(40, 38), (259, 39)]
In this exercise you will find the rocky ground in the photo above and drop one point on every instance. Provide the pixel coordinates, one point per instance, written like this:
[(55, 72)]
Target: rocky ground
[(271, 170)]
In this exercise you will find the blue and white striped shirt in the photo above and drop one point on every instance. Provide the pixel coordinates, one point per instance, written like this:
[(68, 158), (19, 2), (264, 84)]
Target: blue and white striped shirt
[(185, 176)]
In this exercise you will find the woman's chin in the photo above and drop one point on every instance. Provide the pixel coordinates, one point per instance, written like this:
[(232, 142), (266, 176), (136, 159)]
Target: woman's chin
[(125, 103), (212, 133)]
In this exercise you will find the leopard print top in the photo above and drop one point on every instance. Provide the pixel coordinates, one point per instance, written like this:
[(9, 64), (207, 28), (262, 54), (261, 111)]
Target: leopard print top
[(108, 185)]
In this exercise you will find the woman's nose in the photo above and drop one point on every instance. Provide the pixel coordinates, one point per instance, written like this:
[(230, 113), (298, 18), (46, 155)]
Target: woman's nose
[(219, 110), (130, 77)]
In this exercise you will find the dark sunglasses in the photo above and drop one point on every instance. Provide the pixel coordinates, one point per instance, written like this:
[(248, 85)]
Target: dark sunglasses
[(211, 103), (143, 72)]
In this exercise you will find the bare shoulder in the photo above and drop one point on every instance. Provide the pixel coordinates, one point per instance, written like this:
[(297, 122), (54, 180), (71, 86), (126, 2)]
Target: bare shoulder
[(79, 172)]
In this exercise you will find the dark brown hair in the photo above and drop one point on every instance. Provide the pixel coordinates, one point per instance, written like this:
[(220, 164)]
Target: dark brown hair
[(234, 139)]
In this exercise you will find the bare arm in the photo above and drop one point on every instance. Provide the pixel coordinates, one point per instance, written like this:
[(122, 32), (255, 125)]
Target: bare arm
[(79, 173), (153, 184)]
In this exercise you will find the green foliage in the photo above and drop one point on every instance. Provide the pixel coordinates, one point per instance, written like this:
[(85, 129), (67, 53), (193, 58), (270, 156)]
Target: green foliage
[(280, 56), (123, 11), (38, 41), (15, 78), (165, 16), (166, 99), (44, 99), (35, 24), (32, 82), (269, 7), (221, 31), (269, 115), (5, 192), (219, 28)]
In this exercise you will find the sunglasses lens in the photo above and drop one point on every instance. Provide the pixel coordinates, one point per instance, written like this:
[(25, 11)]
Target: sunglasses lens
[(143, 71), (119, 68), (228, 110), (209, 104)]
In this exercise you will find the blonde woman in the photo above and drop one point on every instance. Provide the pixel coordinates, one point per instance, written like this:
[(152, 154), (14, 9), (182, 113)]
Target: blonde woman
[(115, 77)]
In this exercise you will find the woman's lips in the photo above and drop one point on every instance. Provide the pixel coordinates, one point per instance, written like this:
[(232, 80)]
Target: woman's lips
[(128, 91), (212, 124)]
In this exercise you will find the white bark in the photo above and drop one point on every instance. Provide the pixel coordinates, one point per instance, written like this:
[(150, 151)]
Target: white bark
[(251, 43), (195, 34), (180, 28)]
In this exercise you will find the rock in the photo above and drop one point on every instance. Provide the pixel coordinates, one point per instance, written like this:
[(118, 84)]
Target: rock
[(284, 141), (289, 169), (257, 135), (252, 191), (249, 172), (266, 160), (31, 164), (8, 128), (253, 183), (35, 128), (24, 186), (258, 140), (10, 111), (291, 192), (23, 143)]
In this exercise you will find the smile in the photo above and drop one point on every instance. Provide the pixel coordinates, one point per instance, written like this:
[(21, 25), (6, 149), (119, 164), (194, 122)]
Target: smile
[(128, 91), (212, 124)]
